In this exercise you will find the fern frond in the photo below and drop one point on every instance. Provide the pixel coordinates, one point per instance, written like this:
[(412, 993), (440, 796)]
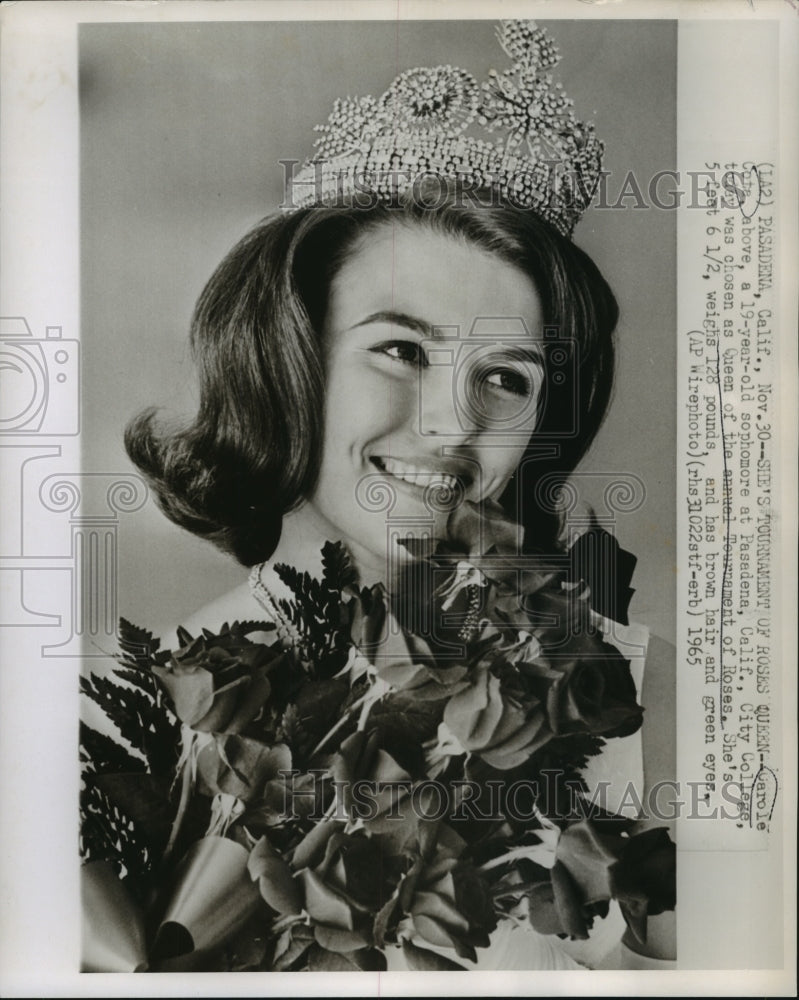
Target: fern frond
[(137, 645), (161, 727), (100, 754), (308, 591), (246, 627), (338, 571), (107, 834), (142, 720)]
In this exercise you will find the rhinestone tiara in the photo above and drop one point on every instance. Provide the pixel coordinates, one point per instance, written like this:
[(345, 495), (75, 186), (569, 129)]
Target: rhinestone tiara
[(515, 137)]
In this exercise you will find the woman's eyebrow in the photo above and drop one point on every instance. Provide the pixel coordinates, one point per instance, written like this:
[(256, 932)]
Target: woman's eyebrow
[(399, 319)]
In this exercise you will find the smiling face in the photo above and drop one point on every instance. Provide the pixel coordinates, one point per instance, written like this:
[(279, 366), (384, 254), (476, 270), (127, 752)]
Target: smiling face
[(433, 378)]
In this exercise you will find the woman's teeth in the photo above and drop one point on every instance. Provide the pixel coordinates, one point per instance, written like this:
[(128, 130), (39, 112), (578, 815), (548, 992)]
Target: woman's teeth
[(414, 474)]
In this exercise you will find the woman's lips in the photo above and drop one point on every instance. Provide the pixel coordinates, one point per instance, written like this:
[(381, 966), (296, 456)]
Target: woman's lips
[(420, 474)]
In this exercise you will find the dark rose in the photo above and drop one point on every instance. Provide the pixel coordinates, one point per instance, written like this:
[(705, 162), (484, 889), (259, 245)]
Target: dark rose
[(217, 683), (578, 888), (343, 891), (494, 726), (482, 529), (445, 899), (445, 587), (438, 920), (644, 879), (235, 765), (584, 681), (473, 530), (556, 906), (591, 868), (594, 694), (373, 788)]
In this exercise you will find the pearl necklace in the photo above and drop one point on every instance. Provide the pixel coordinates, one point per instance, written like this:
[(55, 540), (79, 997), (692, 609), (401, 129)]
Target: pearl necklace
[(472, 618)]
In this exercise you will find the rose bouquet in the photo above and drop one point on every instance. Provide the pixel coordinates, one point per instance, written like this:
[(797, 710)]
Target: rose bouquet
[(406, 772)]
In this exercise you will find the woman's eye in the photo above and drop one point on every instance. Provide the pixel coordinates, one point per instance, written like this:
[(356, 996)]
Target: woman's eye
[(509, 380), (404, 350)]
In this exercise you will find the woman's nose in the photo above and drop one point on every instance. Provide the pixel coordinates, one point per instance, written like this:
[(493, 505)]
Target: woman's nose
[(443, 407)]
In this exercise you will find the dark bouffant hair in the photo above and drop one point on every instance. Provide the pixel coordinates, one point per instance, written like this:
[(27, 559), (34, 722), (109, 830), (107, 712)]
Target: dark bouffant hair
[(253, 451)]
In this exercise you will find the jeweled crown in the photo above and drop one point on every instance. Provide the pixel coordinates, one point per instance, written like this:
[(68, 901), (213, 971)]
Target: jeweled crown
[(515, 137)]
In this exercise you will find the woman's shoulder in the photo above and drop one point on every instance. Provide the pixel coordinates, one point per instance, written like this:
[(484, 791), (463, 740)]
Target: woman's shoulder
[(236, 604)]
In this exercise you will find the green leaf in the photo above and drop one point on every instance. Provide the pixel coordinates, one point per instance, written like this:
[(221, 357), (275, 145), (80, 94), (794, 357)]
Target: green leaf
[(403, 725), (434, 931), (185, 638), (322, 960), (361, 960), (160, 735)]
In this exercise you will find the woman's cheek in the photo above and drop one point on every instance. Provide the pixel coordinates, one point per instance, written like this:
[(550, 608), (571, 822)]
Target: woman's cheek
[(390, 401)]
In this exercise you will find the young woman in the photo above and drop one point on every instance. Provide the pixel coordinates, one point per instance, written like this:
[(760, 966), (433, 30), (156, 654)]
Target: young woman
[(319, 340), (406, 346), (371, 366)]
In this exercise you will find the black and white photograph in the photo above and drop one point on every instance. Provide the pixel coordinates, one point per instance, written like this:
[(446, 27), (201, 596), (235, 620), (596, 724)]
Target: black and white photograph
[(397, 430)]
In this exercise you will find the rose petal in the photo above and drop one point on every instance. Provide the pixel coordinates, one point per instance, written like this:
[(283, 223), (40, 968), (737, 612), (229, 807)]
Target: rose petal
[(474, 713), (237, 765), (312, 847), (434, 932), (544, 914), (274, 877), (588, 858), (324, 905), (424, 960), (192, 693), (568, 903), (647, 866), (225, 700), (519, 747), (431, 904), (337, 940), (250, 704)]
